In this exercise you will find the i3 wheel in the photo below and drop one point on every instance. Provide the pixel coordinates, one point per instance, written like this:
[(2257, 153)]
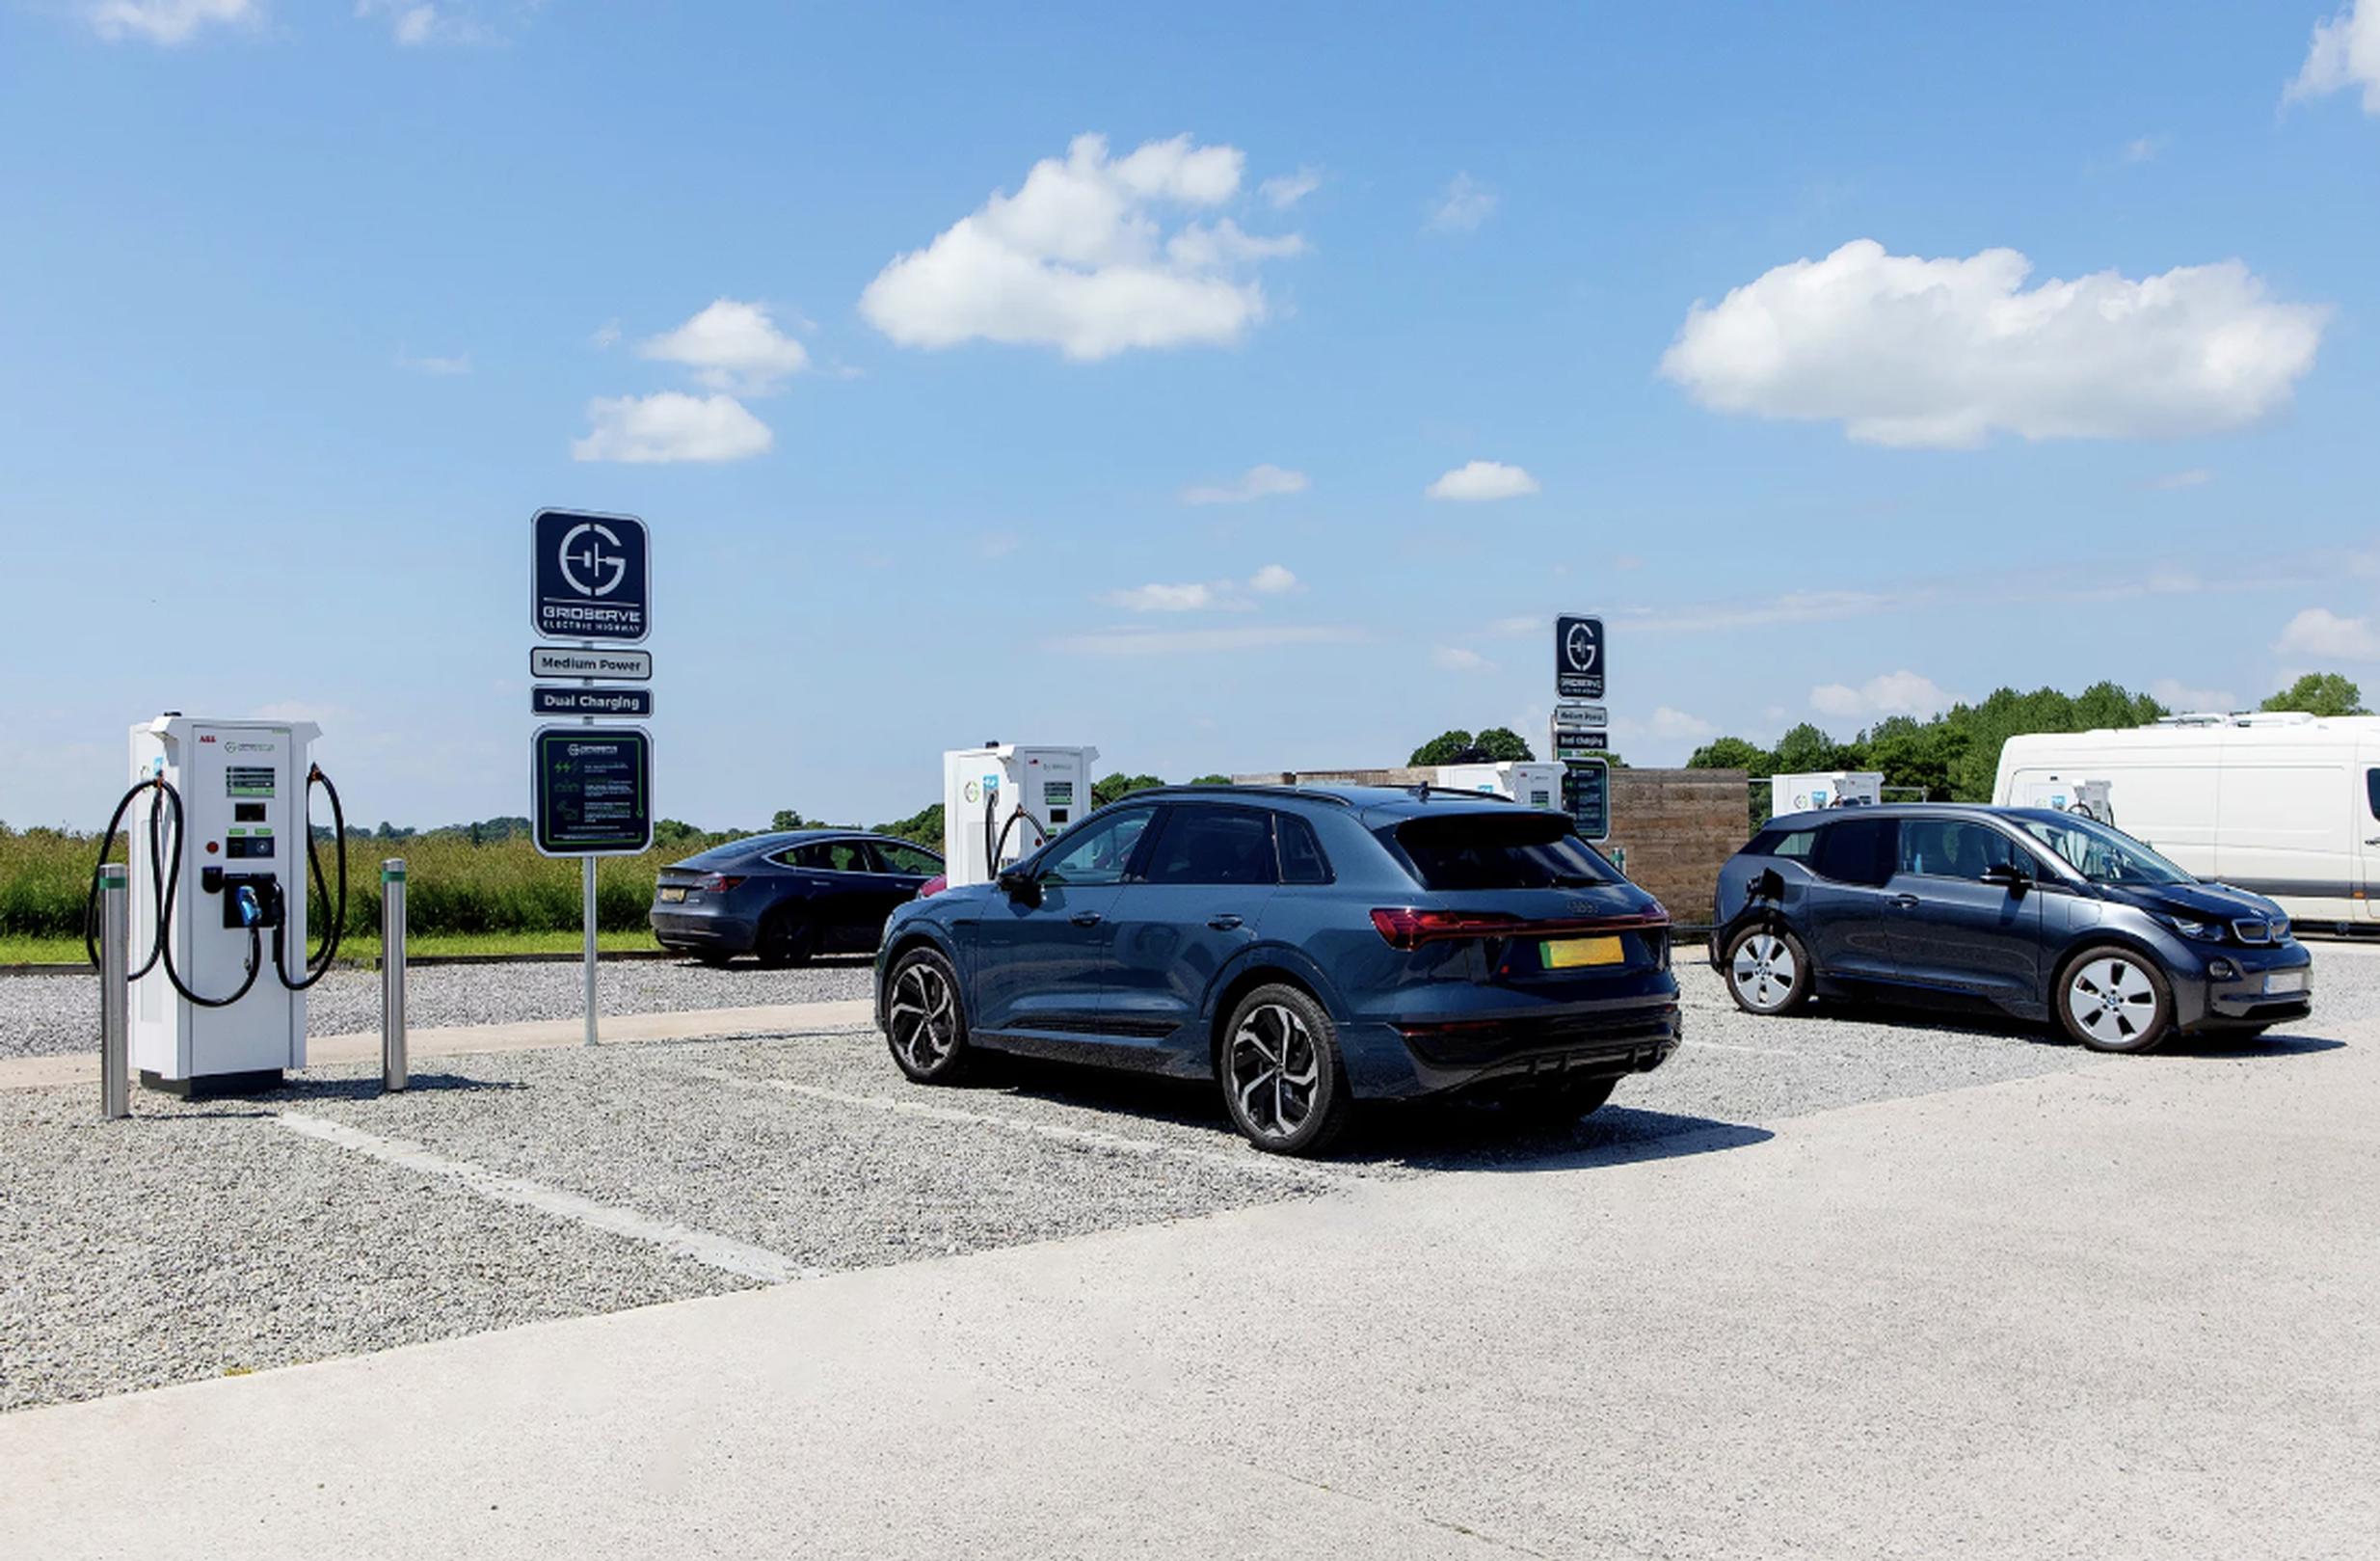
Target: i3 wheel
[(1280, 1073), (2113, 1000), (924, 1020), (1768, 969)]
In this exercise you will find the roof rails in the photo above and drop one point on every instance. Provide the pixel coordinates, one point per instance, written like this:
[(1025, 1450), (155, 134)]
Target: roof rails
[(2238, 718), (1305, 793)]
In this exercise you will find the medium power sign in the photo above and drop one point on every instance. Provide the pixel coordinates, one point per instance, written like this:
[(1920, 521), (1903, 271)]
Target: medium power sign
[(593, 790), (590, 577)]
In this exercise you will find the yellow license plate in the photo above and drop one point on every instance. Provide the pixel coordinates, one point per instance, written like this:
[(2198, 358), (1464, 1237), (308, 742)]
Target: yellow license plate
[(672, 895), (1569, 954)]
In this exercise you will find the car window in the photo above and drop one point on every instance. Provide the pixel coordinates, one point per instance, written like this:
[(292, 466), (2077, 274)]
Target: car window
[(900, 857), (1098, 852), (2102, 853), (1953, 848), (829, 856), (1795, 844), (1500, 850), (1209, 844), (1856, 851), (1301, 855)]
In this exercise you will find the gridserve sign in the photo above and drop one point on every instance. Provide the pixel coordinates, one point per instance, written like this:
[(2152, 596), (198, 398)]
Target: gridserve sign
[(591, 576)]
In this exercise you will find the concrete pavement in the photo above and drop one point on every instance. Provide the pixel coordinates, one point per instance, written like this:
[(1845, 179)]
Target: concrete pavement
[(2122, 1311)]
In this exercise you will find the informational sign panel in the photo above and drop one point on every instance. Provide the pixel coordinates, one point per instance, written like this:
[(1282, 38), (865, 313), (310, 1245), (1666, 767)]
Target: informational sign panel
[(1578, 656), (593, 790), (547, 700), (1580, 742), (590, 577), (603, 665), (1587, 798)]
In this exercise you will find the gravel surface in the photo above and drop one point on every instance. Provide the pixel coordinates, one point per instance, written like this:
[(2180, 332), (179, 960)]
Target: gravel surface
[(202, 1239), (42, 1015)]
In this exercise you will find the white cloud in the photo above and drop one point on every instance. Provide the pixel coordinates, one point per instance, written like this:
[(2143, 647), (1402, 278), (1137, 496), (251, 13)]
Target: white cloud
[(1077, 259), (2143, 149), (1940, 353), (730, 346), (1463, 206), (1677, 725), (1479, 480), (1191, 641), (2322, 634), (1285, 190), (1894, 694), (167, 22), (671, 426), (1458, 658), (2345, 53), (1205, 596), (606, 334), (459, 365), (414, 23), (2197, 476), (1262, 482), (2176, 697)]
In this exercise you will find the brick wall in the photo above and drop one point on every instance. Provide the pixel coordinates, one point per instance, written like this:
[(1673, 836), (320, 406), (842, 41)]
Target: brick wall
[(1678, 826)]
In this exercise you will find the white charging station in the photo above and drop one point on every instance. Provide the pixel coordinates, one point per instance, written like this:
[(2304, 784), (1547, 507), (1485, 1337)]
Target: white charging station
[(1828, 789), (2090, 797), (1529, 783), (242, 877), (985, 790)]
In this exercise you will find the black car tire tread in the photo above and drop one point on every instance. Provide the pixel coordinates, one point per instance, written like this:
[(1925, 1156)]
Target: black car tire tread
[(1334, 1102)]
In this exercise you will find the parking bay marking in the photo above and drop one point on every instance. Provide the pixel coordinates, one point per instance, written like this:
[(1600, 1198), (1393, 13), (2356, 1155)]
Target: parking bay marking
[(1089, 1137), (708, 1247)]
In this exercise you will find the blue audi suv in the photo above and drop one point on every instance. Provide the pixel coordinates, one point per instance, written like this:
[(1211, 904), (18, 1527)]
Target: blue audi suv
[(1304, 947), (2039, 914)]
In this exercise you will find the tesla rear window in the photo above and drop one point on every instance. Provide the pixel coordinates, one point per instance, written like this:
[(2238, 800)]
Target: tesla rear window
[(1493, 850)]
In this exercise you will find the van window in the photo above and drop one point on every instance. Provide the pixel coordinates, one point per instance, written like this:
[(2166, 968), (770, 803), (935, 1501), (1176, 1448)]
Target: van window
[(1858, 850), (2372, 789)]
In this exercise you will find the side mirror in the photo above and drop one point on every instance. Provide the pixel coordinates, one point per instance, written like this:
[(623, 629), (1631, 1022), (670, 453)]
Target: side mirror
[(2009, 877), (1018, 885)]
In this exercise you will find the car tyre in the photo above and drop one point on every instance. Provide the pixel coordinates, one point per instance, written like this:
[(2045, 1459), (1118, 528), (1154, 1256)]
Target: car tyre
[(1283, 1084), (926, 1019), (1767, 970), (784, 942), (2112, 999)]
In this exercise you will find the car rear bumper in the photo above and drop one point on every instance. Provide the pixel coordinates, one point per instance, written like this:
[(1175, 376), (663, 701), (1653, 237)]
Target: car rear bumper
[(716, 935), (1408, 1059)]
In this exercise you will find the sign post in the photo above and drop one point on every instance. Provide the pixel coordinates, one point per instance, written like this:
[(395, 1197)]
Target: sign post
[(590, 581), (1582, 733)]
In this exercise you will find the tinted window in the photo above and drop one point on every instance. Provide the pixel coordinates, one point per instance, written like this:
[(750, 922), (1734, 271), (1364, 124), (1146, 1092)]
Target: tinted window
[(1789, 842), (2372, 789), (1500, 850), (1953, 847), (829, 856), (1301, 855), (1856, 850), (900, 857), (1214, 846), (1098, 852)]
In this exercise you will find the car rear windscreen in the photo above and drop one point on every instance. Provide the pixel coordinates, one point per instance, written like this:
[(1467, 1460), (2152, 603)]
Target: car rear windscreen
[(1500, 850)]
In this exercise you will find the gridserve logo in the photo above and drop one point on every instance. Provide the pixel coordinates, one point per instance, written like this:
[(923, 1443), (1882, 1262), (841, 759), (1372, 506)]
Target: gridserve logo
[(592, 577)]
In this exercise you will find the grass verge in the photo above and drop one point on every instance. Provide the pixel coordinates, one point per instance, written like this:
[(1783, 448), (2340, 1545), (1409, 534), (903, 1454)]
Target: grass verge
[(36, 950)]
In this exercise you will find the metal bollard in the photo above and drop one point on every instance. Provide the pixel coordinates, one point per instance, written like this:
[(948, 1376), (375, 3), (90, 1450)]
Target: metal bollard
[(392, 1072), (114, 993)]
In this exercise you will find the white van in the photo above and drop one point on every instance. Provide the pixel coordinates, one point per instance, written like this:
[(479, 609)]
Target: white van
[(2285, 805)]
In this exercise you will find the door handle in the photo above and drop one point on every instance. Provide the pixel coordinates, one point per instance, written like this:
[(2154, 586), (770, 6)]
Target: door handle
[(1224, 923), (1902, 901), (1086, 917)]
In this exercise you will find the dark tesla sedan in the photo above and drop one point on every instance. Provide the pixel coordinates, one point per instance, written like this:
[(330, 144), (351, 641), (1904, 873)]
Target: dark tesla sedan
[(2041, 914), (787, 896), (1305, 947)]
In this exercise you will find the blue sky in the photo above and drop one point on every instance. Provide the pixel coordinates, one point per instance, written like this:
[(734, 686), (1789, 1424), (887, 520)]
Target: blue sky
[(304, 308)]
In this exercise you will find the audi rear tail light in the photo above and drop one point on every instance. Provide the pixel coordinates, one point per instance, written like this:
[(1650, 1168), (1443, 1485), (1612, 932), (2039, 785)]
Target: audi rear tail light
[(1405, 927)]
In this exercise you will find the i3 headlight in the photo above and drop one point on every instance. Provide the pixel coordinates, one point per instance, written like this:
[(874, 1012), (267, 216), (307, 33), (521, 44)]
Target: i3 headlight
[(2199, 931)]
